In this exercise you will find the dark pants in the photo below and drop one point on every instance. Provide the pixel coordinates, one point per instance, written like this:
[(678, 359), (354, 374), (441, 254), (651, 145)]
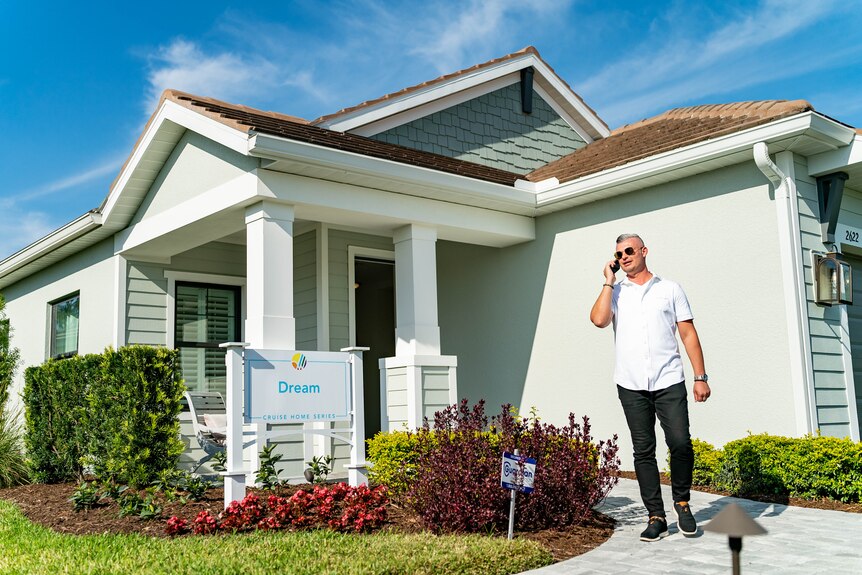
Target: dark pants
[(671, 407)]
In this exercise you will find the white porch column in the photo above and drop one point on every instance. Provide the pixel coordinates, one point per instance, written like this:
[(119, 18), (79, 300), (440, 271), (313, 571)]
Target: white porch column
[(418, 381), (417, 331), (270, 323)]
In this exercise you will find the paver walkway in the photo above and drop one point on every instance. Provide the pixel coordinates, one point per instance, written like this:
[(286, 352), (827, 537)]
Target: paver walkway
[(800, 541)]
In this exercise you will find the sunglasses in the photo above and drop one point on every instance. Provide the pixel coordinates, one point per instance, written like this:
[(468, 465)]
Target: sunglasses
[(629, 251)]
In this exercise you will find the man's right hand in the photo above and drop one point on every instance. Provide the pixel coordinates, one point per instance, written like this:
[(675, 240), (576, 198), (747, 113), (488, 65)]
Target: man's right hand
[(610, 275)]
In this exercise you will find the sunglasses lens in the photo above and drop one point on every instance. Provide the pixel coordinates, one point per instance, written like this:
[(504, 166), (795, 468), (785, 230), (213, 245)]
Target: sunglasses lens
[(629, 251)]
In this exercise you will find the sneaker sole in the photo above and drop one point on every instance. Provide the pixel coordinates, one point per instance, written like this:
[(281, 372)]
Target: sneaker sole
[(686, 533), (661, 536)]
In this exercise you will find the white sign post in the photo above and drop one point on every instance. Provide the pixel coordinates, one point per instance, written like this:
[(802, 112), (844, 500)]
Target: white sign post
[(234, 475), (292, 386), (516, 476)]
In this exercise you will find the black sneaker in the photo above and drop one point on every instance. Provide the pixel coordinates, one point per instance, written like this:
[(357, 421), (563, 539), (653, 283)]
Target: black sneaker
[(684, 519), (656, 529)]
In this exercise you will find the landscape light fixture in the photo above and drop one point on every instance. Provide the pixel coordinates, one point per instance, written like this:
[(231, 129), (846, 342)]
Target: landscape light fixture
[(833, 280), (734, 522)]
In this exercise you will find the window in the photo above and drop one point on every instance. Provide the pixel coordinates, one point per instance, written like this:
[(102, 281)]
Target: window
[(64, 326), (206, 316)]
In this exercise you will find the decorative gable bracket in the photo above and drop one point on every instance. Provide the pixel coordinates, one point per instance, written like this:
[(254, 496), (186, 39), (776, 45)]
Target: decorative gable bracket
[(830, 189), (527, 90)]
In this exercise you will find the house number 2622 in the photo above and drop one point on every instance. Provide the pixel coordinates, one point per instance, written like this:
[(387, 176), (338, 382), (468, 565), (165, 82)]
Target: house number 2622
[(851, 236)]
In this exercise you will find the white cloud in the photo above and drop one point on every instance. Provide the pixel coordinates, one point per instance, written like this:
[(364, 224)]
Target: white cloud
[(659, 73), (480, 25), (21, 228), (109, 168), (183, 65)]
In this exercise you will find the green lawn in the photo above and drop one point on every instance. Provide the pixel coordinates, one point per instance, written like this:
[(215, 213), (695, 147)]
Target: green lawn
[(31, 549)]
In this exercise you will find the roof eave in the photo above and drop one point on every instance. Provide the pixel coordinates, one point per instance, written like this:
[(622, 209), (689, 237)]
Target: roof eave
[(72, 231), (698, 157), (472, 191), (546, 78)]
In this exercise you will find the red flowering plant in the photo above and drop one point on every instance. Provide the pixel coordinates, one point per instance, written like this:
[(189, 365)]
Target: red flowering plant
[(176, 526), (337, 507)]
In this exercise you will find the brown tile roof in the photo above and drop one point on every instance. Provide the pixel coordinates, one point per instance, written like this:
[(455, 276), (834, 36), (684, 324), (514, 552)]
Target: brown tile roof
[(446, 77), (250, 120), (668, 131)]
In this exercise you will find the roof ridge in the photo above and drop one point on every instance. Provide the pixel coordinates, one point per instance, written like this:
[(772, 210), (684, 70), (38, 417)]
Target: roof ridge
[(756, 108), (416, 87), (184, 99)]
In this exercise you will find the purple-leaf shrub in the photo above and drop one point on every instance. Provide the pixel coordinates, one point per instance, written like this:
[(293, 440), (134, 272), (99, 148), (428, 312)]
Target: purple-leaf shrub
[(457, 487)]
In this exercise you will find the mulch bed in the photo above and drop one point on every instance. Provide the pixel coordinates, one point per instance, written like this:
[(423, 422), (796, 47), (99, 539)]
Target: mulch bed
[(49, 505)]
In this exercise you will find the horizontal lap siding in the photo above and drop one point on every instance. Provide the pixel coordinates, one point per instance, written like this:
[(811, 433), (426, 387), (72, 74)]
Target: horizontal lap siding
[(830, 384), (146, 304)]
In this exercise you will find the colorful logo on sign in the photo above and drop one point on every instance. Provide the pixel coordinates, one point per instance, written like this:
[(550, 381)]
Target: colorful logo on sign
[(298, 361)]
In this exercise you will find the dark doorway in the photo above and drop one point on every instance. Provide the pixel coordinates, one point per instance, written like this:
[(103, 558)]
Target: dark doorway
[(375, 328)]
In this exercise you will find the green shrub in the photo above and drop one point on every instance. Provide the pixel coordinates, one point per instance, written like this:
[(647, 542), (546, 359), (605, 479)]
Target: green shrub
[(752, 466), (806, 467), (9, 356), (134, 433), (824, 467), (13, 464), (707, 462), (394, 455), (56, 417), (116, 412)]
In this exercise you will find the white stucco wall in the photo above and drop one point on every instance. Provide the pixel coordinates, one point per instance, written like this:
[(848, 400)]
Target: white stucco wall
[(518, 318), (92, 273)]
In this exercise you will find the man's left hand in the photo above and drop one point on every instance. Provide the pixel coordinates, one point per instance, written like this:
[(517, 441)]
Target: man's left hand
[(701, 391)]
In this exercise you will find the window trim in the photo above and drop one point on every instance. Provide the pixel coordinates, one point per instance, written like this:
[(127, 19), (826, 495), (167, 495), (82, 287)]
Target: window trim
[(233, 284), (52, 322)]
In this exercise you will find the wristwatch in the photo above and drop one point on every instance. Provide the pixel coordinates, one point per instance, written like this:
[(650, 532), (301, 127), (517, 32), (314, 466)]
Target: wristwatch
[(703, 377)]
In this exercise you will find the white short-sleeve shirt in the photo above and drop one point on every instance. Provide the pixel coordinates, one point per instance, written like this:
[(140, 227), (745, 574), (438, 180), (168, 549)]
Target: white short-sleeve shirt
[(645, 318)]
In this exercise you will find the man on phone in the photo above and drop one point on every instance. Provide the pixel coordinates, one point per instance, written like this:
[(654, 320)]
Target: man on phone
[(647, 312)]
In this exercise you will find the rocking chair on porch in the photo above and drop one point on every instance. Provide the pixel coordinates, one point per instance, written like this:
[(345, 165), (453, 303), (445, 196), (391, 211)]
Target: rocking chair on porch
[(209, 422)]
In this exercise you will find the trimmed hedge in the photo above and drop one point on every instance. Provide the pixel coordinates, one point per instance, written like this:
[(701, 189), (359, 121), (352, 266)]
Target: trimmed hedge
[(55, 411), (116, 412), (809, 467)]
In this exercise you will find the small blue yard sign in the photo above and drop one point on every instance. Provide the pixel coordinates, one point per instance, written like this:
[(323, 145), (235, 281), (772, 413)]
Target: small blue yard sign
[(511, 476)]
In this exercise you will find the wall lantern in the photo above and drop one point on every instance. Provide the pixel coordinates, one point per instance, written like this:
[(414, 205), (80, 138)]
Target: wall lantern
[(833, 280)]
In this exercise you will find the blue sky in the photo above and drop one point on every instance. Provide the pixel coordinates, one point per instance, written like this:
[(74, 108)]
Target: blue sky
[(78, 80)]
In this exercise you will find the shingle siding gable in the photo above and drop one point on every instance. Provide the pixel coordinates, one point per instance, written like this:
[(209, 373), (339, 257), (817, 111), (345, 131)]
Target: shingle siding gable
[(493, 131)]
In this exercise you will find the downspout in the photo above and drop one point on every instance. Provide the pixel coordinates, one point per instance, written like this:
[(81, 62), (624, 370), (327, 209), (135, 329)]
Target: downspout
[(795, 298)]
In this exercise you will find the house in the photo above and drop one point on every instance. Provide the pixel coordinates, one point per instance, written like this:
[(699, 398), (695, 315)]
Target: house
[(458, 229)]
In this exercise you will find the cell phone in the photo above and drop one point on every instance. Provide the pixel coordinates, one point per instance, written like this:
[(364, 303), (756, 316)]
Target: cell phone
[(615, 267)]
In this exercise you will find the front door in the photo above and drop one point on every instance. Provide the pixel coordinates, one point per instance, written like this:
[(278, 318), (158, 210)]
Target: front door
[(374, 291)]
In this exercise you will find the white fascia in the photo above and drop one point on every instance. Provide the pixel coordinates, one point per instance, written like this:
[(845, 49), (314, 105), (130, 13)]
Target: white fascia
[(262, 145), (839, 159), (547, 75), (350, 121), (597, 186), (234, 193), (414, 113), (189, 119), (71, 231), (378, 118)]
